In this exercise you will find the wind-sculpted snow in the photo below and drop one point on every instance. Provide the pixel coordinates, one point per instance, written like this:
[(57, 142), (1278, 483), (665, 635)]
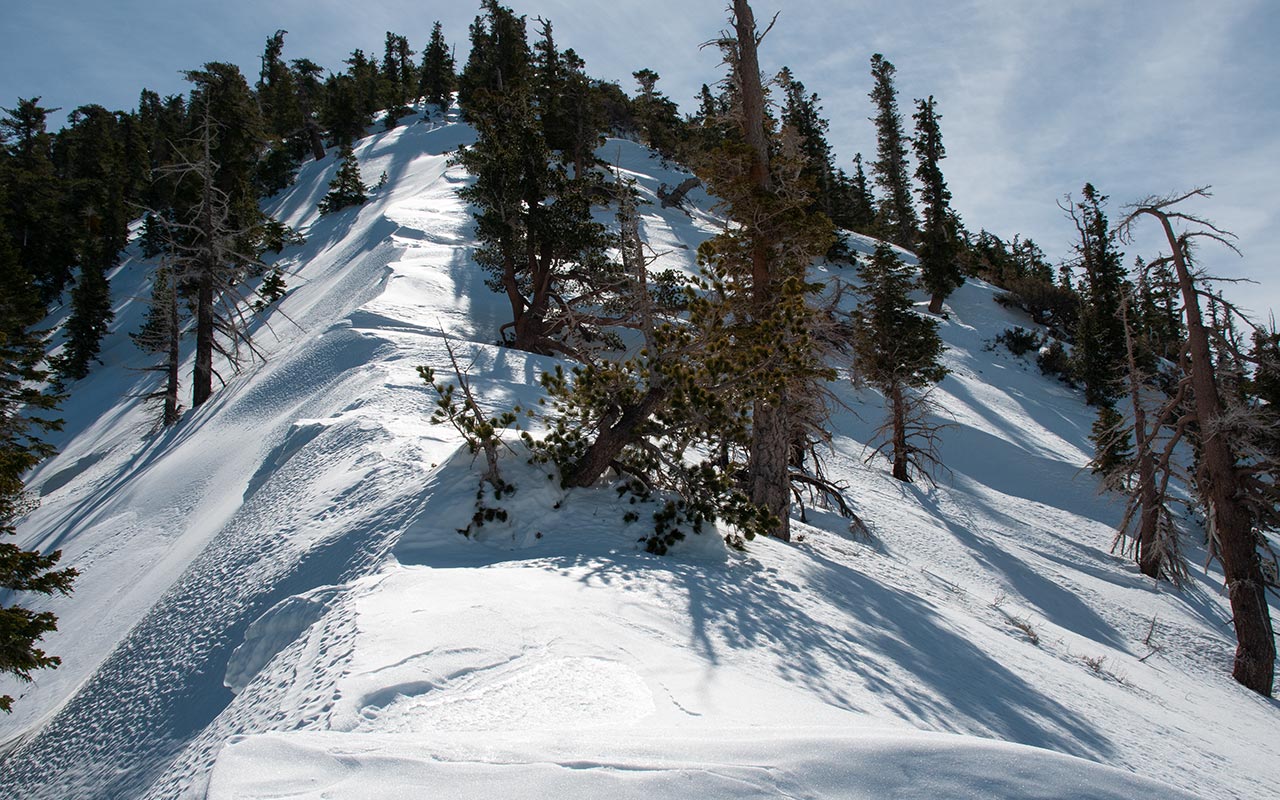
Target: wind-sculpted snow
[(276, 600)]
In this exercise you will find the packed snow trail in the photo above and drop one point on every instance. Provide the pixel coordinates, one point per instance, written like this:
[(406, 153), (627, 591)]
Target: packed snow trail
[(275, 600)]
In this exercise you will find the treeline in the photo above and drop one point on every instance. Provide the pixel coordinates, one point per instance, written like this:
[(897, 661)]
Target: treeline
[(719, 409)]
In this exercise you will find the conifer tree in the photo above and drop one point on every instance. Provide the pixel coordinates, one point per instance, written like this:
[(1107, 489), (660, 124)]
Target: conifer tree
[(765, 324), (862, 204), (310, 94), (1235, 499), (343, 114), (25, 413), (438, 77), (90, 156), (1099, 334), (539, 243), (897, 352), (938, 250), (34, 212), (346, 188), (397, 80), (895, 212), (161, 334), (215, 233)]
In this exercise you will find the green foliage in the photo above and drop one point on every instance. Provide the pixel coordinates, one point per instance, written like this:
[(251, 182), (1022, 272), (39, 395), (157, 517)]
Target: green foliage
[(896, 214), (893, 343), (1099, 334), (482, 433), (25, 413), (1112, 445), (1018, 341), (938, 249), (437, 76), (346, 188)]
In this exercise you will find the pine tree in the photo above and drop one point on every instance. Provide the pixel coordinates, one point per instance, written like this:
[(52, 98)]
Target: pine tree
[(938, 249), (310, 95), (438, 77), (346, 188), (89, 154), (656, 115), (763, 321), (897, 351), (161, 334), (1099, 334), (896, 214), (862, 204), (34, 212), (539, 243), (397, 79), (1234, 499), (215, 233), (24, 415)]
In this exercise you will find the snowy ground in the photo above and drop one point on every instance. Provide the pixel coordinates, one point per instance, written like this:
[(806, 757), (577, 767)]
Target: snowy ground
[(274, 600)]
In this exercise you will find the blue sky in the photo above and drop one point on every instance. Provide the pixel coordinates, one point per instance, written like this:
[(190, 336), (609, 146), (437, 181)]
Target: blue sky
[(1139, 97)]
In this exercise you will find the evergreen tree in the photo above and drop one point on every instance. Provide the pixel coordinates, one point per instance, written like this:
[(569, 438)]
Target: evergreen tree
[(24, 415), (90, 155), (1238, 502), (34, 212), (215, 233), (763, 321), (862, 204), (657, 116), (539, 243), (278, 98), (310, 96), (896, 214), (343, 115), (346, 188), (1099, 334), (161, 334), (438, 77), (898, 353), (397, 80), (938, 249)]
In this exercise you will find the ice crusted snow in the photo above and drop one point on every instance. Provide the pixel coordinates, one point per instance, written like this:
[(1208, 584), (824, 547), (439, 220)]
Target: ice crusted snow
[(275, 601)]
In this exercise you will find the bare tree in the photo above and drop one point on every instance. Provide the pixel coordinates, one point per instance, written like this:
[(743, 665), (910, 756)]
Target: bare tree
[(1221, 478), (1154, 542)]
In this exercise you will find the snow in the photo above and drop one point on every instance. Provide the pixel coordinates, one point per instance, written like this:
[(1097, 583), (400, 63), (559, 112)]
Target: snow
[(275, 600)]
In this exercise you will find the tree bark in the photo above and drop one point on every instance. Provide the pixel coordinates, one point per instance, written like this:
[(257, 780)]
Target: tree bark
[(611, 441), (1255, 642), (202, 375), (767, 472), (900, 453)]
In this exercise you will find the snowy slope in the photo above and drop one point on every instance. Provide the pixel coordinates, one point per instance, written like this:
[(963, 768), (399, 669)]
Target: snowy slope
[(274, 601)]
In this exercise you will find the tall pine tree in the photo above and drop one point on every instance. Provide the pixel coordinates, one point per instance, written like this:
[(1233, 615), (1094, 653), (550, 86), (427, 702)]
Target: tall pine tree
[(896, 214), (939, 246)]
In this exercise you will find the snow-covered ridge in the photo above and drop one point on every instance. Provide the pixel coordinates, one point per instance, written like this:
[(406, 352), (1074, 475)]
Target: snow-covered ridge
[(274, 600)]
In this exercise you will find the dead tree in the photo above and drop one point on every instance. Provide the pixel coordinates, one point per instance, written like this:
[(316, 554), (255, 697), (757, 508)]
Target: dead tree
[(1229, 519), (674, 198), (1154, 543)]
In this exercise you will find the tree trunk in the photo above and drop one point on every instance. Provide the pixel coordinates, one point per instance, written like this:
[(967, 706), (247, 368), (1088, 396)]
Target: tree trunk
[(173, 358), (610, 442), (899, 403), (1148, 496), (317, 144), (769, 472), (202, 376), (1229, 519), (935, 303)]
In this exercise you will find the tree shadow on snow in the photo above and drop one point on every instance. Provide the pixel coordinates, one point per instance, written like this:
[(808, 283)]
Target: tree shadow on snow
[(874, 643)]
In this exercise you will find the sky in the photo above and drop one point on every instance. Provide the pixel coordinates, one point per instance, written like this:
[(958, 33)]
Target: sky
[(1141, 97)]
